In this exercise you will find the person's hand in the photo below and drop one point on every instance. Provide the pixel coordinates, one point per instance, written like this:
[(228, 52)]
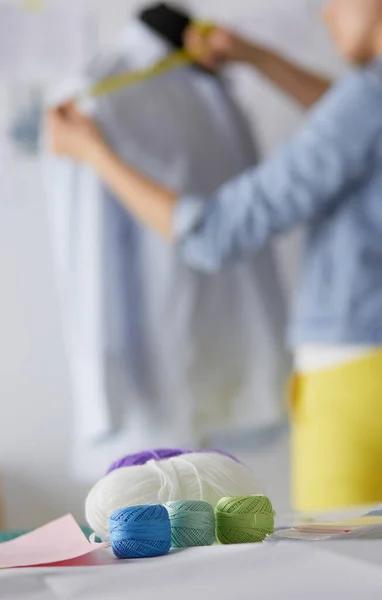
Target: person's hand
[(72, 134), (212, 46)]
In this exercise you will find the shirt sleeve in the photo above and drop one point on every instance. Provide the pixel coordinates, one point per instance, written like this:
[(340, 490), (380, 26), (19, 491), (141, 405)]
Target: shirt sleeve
[(305, 178)]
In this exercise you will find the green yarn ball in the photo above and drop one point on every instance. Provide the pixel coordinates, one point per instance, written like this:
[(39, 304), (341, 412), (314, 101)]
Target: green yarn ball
[(244, 519), (192, 523)]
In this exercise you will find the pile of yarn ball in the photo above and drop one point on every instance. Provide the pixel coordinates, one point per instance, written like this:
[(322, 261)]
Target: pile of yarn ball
[(207, 476), (148, 531)]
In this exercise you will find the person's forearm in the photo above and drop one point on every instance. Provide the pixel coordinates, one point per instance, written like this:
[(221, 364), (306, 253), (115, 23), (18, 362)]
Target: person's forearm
[(304, 86), (151, 203)]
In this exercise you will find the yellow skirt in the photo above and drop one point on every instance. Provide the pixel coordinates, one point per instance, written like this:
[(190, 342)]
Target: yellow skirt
[(337, 436)]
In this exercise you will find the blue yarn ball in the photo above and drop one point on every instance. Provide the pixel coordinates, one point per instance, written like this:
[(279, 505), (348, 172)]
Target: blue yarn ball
[(140, 531)]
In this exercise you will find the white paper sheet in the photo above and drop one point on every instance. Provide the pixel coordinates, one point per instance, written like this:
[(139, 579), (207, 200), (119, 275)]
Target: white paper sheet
[(41, 45), (266, 572)]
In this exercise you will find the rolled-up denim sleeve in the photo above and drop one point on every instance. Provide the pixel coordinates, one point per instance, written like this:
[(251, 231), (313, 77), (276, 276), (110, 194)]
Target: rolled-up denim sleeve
[(302, 180)]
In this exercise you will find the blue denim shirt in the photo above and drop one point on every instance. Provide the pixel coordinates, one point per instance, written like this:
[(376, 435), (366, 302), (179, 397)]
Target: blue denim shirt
[(329, 177)]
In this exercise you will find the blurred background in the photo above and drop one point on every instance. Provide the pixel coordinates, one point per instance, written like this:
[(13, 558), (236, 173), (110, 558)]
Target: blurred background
[(35, 396)]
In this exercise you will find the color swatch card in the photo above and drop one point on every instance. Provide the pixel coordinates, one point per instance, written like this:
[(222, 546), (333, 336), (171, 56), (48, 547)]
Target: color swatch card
[(365, 527), (59, 541), (344, 526)]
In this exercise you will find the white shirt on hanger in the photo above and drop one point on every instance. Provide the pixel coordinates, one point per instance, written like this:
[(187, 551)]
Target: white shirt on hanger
[(160, 355)]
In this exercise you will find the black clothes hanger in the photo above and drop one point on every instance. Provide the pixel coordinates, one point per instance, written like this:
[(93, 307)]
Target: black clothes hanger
[(168, 21)]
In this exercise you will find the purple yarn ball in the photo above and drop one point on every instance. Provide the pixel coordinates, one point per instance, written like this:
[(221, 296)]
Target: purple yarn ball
[(141, 458)]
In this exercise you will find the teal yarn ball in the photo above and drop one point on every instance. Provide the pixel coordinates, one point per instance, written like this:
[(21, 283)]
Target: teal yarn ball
[(140, 531), (192, 523), (244, 519)]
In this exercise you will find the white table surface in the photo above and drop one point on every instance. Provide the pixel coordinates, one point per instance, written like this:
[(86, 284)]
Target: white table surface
[(298, 570)]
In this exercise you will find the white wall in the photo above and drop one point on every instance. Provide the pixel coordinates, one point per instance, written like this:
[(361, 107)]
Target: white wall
[(34, 392)]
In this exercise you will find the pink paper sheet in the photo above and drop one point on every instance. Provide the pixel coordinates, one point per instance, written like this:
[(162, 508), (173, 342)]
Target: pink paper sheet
[(58, 541)]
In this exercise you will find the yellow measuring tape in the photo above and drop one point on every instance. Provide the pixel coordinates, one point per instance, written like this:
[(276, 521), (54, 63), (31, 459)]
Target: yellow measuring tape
[(175, 60), (110, 85)]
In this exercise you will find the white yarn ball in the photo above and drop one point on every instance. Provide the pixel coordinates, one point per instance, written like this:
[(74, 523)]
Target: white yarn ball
[(199, 476)]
